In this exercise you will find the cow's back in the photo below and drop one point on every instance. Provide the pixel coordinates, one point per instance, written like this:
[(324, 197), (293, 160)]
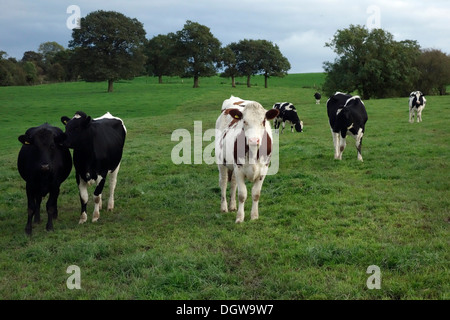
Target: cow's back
[(335, 102)]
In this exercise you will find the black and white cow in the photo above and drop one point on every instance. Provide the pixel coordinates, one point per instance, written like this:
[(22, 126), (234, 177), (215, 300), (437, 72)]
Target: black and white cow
[(347, 115), (97, 150), (317, 96), (243, 151), (288, 113), (417, 103), (44, 164)]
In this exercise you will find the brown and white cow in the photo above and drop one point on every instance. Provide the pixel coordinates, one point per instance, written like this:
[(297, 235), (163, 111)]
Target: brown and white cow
[(243, 151)]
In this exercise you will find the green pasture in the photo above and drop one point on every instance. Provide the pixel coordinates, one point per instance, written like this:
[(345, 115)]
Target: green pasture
[(322, 222)]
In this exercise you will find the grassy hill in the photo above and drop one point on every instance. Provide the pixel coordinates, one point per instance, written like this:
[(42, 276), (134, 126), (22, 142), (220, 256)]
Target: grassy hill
[(322, 222)]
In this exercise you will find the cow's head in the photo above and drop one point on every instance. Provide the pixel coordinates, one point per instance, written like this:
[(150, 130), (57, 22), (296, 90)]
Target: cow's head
[(76, 129), (299, 126), (417, 97), (45, 141), (253, 120)]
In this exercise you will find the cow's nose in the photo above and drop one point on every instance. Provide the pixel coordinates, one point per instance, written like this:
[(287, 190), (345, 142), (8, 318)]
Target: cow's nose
[(253, 141), (45, 167)]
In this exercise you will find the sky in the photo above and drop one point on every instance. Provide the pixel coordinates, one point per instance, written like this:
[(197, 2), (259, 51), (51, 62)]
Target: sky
[(299, 28)]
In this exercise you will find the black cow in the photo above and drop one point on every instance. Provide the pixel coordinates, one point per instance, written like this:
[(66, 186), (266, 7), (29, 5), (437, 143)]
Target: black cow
[(346, 114), (288, 113), (317, 96), (44, 164), (417, 103), (97, 150)]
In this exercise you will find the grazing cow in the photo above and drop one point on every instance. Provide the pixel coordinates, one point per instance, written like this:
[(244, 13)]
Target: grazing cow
[(44, 164), (346, 114), (317, 96), (417, 103), (97, 150), (243, 151), (288, 113)]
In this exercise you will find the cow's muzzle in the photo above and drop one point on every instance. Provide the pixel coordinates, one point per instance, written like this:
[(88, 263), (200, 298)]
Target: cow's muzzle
[(253, 141)]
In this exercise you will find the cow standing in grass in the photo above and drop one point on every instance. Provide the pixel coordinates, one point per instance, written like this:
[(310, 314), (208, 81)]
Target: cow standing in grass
[(347, 115), (417, 103), (317, 96), (288, 114), (44, 164), (97, 151), (243, 151)]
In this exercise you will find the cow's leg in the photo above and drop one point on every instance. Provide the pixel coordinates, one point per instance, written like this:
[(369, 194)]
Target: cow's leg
[(223, 182), (112, 187), (283, 124), (31, 210), (51, 206), (342, 144), (336, 142), (98, 196), (256, 193), (242, 193), (84, 197), (419, 114), (276, 125), (358, 139), (411, 115), (233, 187)]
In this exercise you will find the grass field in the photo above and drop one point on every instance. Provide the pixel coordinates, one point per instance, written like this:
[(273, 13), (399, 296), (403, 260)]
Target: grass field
[(322, 222)]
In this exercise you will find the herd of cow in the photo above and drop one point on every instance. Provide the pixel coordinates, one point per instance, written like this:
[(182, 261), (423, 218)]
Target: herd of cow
[(243, 151)]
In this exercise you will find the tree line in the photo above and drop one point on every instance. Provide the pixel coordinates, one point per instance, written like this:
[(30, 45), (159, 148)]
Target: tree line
[(373, 64), (110, 46)]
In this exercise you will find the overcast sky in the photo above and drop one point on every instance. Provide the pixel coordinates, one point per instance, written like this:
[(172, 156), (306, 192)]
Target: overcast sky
[(300, 28)]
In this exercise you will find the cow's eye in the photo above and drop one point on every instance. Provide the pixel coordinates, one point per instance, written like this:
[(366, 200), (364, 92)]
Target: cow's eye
[(245, 122)]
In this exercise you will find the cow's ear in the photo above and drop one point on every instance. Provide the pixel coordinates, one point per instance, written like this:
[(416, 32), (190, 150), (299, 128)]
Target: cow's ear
[(64, 120), (24, 139), (235, 113), (87, 121), (272, 114)]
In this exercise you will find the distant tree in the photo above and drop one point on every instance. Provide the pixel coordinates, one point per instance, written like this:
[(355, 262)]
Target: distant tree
[(108, 46), (199, 49), (162, 56), (229, 62), (49, 50), (434, 67), (248, 58), (52, 70), (30, 72), (271, 62), (370, 62), (64, 67), (33, 57), (11, 72)]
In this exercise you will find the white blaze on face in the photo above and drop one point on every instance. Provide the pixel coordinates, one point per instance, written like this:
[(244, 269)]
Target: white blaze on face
[(254, 124)]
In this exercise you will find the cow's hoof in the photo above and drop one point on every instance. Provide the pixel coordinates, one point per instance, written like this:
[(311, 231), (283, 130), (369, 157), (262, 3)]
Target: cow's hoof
[(83, 218)]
